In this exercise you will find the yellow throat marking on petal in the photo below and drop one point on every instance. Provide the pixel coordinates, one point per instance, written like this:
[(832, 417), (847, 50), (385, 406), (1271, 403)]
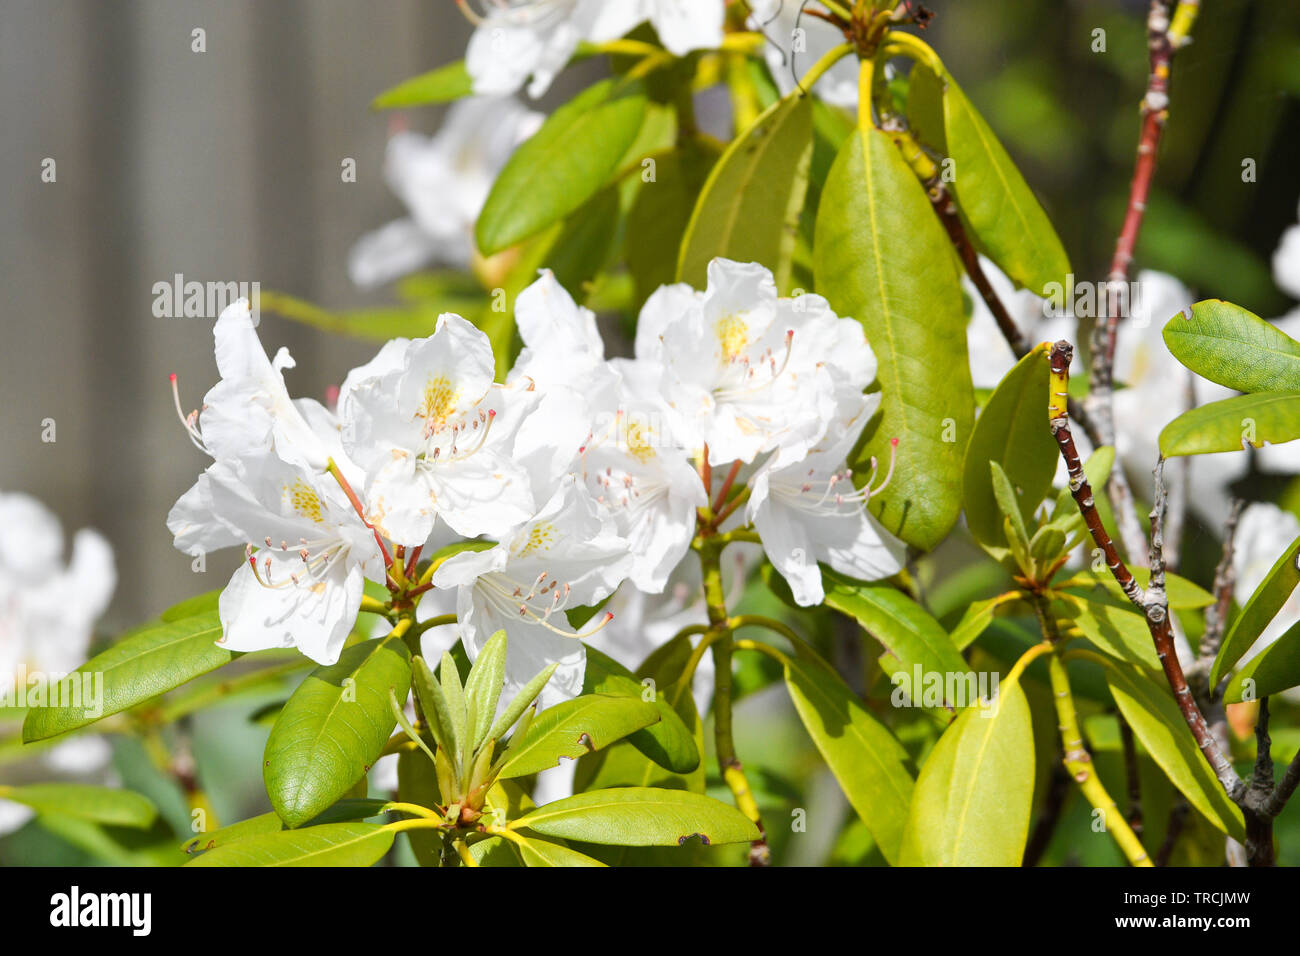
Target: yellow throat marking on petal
[(639, 440), (305, 501), (439, 401), (732, 335), (540, 537)]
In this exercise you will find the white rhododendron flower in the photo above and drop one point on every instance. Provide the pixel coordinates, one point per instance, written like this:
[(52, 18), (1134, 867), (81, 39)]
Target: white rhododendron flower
[(435, 437), (48, 610), (811, 511), (443, 180), (568, 556), (633, 464), (1264, 531), (518, 39), (249, 412), (795, 43), (745, 372)]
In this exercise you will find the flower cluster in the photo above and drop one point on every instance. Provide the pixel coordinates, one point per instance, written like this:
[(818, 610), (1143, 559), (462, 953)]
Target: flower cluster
[(577, 473)]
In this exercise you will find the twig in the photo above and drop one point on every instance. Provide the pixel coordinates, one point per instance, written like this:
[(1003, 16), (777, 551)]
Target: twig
[(1180, 494), (1153, 603), (1216, 615), (1165, 33)]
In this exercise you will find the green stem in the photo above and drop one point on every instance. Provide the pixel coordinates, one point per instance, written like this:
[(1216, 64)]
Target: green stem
[(828, 60), (729, 764)]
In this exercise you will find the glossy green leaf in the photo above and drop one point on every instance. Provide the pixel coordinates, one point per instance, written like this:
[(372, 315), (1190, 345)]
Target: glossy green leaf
[(972, 802), (1007, 221), (1260, 609), (867, 760), (536, 851), (980, 614), (446, 83), (667, 742), (883, 258), (1274, 669), (910, 636), (333, 844), (143, 664), (564, 164), (199, 604), (660, 214), (1183, 595), (1231, 424), (574, 727), (123, 808), (640, 816), (1120, 632), (1012, 431), (333, 728), (1149, 708), (750, 205), (377, 323), (417, 783), (437, 711), (1226, 344), (484, 683), (515, 709)]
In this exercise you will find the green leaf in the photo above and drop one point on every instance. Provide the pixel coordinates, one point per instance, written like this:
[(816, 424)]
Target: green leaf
[(574, 727), (123, 808), (446, 83), (190, 607), (1014, 532), (980, 614), (1011, 431), (143, 664), (377, 323), (910, 636), (660, 214), (333, 844), (1120, 632), (483, 686), (1274, 669), (1226, 344), (1230, 424), (522, 700), (750, 205), (667, 742), (333, 728), (973, 798), (640, 816), (418, 783), (1183, 595), (884, 259), (867, 760), (434, 704), (254, 826), (537, 851), (1150, 710), (1260, 609), (1006, 219), (564, 164)]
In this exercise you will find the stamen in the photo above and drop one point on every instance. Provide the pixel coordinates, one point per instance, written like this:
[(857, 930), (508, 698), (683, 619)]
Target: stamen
[(188, 422)]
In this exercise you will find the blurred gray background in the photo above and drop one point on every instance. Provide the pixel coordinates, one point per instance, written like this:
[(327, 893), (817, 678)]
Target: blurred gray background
[(222, 165)]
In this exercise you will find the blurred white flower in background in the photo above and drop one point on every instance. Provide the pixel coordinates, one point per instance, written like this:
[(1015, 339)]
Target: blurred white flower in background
[(796, 42), (518, 39), (1263, 533), (48, 611), (443, 180), (1286, 261)]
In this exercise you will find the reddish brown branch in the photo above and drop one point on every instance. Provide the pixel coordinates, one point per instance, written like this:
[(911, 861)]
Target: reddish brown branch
[(1152, 603)]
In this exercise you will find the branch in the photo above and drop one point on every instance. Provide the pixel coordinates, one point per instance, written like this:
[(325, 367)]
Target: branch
[(1164, 35), (1153, 603), (1225, 577)]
